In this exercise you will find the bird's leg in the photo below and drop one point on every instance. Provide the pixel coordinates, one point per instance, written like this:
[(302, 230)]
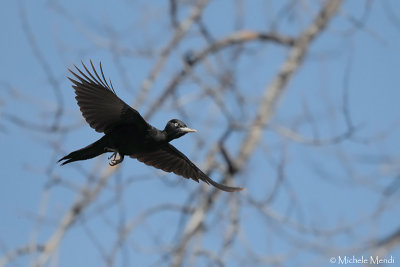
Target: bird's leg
[(114, 161)]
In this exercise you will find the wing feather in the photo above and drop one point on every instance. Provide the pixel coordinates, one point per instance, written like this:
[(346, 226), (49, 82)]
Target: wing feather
[(170, 159), (100, 106)]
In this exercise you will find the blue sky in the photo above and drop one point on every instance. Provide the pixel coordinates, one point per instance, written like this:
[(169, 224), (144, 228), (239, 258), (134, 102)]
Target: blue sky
[(334, 184)]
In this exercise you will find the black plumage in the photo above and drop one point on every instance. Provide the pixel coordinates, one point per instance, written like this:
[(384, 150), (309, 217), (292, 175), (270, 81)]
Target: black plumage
[(127, 133)]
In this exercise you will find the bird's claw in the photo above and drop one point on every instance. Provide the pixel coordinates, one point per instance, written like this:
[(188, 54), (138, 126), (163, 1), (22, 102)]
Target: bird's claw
[(113, 155), (114, 161)]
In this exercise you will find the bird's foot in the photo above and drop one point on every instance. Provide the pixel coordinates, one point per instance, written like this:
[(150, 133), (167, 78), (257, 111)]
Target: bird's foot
[(114, 161)]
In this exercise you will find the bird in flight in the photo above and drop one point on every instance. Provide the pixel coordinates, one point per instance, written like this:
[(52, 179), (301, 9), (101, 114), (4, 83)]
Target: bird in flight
[(126, 131)]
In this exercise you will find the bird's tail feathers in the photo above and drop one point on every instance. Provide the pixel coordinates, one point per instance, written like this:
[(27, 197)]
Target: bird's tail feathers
[(88, 152)]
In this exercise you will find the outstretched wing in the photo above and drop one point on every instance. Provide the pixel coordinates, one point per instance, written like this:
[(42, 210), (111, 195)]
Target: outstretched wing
[(170, 159), (100, 106)]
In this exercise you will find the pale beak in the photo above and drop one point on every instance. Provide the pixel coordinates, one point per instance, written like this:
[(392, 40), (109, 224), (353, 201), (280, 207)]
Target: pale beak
[(187, 130)]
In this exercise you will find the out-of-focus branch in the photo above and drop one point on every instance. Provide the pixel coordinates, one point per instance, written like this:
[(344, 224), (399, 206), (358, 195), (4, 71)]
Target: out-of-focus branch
[(177, 231), (124, 233), (173, 12), (86, 197), (385, 245), (265, 112), (43, 63), (193, 226), (180, 32), (240, 37), (274, 91), (33, 126), (11, 255), (294, 136)]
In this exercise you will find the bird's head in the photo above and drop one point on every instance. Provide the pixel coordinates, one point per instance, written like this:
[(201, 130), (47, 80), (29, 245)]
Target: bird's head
[(176, 128)]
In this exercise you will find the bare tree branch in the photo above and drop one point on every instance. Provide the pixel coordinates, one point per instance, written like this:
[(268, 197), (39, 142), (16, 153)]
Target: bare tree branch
[(231, 89), (180, 32), (265, 112), (87, 197)]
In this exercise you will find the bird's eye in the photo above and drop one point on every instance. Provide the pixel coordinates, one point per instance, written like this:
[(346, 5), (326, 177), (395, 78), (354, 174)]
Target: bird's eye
[(176, 124)]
